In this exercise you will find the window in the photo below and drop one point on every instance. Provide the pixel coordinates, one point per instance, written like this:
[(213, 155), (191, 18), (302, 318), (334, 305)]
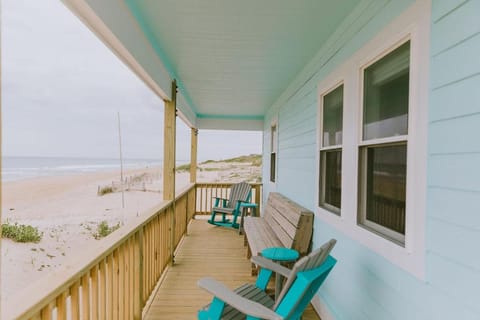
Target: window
[(381, 158), (383, 149), (330, 189), (273, 152)]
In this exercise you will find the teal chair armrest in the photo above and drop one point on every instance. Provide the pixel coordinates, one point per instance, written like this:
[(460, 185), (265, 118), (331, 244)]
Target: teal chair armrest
[(217, 201), (270, 265)]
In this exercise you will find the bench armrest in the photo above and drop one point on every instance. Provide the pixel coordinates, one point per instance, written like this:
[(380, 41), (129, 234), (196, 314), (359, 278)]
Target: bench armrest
[(240, 303), (270, 265)]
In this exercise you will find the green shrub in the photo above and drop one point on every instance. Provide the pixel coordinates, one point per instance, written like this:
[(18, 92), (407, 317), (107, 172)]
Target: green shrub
[(103, 229), (252, 158), (104, 190), (184, 167), (21, 232)]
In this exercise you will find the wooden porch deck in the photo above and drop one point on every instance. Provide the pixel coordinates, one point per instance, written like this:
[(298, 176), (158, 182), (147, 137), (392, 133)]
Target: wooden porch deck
[(206, 251)]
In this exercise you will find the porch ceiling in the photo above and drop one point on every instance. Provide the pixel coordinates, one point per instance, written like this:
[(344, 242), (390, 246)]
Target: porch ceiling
[(232, 59)]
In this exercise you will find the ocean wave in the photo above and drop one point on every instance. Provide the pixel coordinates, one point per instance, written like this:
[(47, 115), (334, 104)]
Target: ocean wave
[(22, 168)]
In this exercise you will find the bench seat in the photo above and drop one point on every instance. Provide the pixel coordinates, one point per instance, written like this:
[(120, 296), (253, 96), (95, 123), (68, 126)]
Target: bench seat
[(283, 224)]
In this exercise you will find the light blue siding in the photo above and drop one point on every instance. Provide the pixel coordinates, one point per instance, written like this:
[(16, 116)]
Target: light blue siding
[(451, 37), (460, 99), (364, 285), (446, 67), (445, 206), (453, 196)]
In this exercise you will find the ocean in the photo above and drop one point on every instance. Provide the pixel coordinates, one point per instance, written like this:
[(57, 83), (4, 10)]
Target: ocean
[(18, 168)]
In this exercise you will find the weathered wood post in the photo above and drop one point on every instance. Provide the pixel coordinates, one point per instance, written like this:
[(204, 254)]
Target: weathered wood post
[(169, 146)]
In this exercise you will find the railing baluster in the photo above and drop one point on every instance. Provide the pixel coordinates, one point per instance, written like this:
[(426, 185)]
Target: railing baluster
[(127, 279), (75, 301), (121, 282), (158, 233), (102, 289), (86, 297), (94, 291), (144, 266), (115, 272), (138, 268), (147, 260), (62, 306), (47, 311), (109, 302), (131, 292)]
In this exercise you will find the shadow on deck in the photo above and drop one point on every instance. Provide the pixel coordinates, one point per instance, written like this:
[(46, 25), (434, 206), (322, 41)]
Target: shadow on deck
[(206, 251)]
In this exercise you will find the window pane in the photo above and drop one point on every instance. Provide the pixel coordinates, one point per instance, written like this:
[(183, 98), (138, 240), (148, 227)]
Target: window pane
[(273, 152), (385, 102), (332, 117), (386, 170), (272, 166), (331, 180)]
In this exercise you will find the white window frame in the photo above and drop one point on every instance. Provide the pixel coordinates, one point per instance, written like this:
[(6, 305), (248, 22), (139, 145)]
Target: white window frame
[(413, 24), (334, 86), (384, 141)]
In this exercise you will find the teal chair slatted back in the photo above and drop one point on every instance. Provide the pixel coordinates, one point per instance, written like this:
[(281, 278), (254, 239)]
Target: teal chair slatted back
[(305, 279), (303, 289)]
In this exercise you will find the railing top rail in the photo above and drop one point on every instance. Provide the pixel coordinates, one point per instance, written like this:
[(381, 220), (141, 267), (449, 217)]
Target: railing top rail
[(226, 184), (34, 297)]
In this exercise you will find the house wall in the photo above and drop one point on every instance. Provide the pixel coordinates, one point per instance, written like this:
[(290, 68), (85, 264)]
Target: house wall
[(365, 285)]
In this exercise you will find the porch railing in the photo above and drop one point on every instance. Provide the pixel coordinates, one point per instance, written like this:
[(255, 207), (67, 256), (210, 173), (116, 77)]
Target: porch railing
[(114, 281), (205, 193)]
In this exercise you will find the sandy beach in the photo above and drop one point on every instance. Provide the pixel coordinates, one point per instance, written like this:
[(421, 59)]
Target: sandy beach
[(67, 210)]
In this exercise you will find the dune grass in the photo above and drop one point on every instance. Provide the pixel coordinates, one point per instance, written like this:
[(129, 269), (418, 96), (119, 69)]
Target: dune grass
[(105, 190), (21, 232), (184, 167), (254, 159), (103, 229)]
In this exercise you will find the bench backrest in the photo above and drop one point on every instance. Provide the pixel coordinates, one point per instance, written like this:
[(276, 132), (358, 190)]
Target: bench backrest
[(292, 223)]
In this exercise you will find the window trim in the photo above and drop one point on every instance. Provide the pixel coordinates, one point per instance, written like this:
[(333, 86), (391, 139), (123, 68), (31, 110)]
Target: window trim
[(413, 24)]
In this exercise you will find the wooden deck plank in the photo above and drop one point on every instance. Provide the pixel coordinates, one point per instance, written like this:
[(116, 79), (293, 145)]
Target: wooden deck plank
[(207, 251)]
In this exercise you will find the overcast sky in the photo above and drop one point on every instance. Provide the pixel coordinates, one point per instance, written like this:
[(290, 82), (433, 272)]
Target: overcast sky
[(62, 89)]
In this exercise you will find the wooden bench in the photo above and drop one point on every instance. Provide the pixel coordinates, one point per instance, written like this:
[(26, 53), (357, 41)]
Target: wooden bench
[(283, 224)]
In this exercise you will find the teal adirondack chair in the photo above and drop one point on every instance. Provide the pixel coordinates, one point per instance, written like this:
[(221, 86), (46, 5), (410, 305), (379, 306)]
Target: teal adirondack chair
[(250, 300), (239, 193)]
